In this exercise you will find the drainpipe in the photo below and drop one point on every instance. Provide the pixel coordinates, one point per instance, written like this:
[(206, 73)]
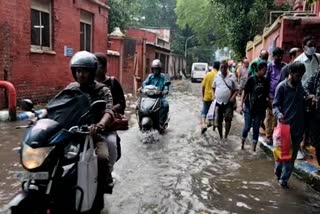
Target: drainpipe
[(12, 97)]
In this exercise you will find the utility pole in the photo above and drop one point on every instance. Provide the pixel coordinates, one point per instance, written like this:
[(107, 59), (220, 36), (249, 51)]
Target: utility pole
[(186, 45)]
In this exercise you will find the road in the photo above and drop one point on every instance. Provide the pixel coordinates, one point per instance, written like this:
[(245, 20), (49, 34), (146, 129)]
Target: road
[(185, 172)]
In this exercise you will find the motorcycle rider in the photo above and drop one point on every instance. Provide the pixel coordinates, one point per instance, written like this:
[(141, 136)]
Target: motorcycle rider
[(159, 80), (119, 102), (83, 66)]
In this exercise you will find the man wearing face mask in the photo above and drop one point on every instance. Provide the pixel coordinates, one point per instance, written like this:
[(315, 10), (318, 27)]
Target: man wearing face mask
[(311, 60), (158, 79)]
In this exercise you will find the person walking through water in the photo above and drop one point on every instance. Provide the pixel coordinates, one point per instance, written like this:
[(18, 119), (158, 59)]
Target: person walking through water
[(312, 88), (311, 60), (207, 94), (288, 108), (243, 74), (273, 77), (255, 101), (225, 89)]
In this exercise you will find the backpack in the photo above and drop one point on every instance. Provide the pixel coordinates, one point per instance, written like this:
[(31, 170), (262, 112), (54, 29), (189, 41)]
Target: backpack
[(258, 93)]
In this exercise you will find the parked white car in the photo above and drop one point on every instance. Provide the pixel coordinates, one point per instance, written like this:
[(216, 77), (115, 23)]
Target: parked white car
[(198, 71)]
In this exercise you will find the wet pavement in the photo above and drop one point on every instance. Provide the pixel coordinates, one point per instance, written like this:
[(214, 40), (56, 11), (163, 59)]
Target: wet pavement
[(185, 172)]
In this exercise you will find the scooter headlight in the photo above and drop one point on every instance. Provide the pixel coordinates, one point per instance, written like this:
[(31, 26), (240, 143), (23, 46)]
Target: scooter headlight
[(33, 158)]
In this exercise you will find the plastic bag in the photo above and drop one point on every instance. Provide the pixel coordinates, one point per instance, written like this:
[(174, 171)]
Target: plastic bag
[(87, 177), (282, 147), (212, 114)]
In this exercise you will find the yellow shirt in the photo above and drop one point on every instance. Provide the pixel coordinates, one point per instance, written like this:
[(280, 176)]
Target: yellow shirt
[(207, 85)]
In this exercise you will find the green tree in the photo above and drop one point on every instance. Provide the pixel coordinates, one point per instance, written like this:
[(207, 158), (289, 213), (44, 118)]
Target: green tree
[(158, 13), (233, 22), (121, 13)]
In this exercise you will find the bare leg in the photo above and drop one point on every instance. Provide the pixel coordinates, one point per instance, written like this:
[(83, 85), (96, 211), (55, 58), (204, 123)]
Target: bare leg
[(227, 127), (220, 130)]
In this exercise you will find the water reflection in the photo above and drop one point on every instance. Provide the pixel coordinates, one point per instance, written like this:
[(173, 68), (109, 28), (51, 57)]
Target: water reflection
[(9, 159)]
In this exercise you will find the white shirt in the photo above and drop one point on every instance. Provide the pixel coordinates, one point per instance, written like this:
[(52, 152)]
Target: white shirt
[(311, 66), (222, 92)]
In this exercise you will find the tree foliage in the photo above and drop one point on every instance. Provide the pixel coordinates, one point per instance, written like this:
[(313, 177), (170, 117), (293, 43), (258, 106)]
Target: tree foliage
[(232, 22), (156, 13), (118, 16)]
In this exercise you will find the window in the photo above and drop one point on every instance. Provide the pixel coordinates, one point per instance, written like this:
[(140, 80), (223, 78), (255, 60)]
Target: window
[(41, 24), (85, 31)]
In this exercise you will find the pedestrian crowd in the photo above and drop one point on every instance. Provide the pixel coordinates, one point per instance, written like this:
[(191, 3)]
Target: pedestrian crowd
[(274, 96)]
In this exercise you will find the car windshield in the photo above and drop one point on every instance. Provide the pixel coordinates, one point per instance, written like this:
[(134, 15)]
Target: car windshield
[(200, 67)]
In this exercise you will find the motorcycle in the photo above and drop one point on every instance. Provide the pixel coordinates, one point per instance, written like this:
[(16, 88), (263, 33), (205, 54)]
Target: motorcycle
[(50, 155), (148, 109)]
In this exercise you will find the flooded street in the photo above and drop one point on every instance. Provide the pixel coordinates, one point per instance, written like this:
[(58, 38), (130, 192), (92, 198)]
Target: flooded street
[(185, 172), (9, 160)]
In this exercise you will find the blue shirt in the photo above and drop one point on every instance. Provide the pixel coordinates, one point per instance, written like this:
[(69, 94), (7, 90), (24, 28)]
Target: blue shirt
[(157, 80)]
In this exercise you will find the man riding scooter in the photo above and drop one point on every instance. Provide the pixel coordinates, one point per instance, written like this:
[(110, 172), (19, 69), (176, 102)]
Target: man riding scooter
[(158, 79), (83, 66)]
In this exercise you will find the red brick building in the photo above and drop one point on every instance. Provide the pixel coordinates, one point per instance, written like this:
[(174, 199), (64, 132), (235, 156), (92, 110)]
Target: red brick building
[(137, 49), (38, 38)]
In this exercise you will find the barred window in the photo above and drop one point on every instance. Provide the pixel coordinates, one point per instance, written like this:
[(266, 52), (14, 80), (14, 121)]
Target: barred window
[(41, 24), (86, 31)]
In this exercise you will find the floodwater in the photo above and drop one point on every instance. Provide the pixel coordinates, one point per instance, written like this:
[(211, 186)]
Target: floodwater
[(184, 171)]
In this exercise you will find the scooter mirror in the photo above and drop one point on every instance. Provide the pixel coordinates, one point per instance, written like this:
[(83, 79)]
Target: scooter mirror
[(26, 105), (98, 106)]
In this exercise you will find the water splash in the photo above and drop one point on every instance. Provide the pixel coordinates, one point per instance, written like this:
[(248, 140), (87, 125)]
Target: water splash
[(150, 137)]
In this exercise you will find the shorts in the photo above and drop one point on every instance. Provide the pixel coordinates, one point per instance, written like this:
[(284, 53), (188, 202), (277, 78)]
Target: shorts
[(205, 108), (225, 111)]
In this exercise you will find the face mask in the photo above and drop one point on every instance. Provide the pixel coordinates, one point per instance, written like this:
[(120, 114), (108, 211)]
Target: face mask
[(310, 51)]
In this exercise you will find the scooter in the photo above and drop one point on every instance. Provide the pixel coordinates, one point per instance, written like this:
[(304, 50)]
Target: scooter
[(148, 109), (50, 155)]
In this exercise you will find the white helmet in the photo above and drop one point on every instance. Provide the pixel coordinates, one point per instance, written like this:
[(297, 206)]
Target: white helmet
[(156, 64)]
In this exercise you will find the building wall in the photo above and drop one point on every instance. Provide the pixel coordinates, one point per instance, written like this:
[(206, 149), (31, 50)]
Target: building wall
[(272, 41), (150, 56), (317, 8), (113, 68), (257, 49), (249, 54), (39, 76), (294, 30), (139, 33), (177, 65), (289, 34), (115, 62)]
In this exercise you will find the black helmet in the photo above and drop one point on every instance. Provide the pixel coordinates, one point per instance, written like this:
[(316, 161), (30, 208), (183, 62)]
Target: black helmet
[(156, 64), (85, 60)]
